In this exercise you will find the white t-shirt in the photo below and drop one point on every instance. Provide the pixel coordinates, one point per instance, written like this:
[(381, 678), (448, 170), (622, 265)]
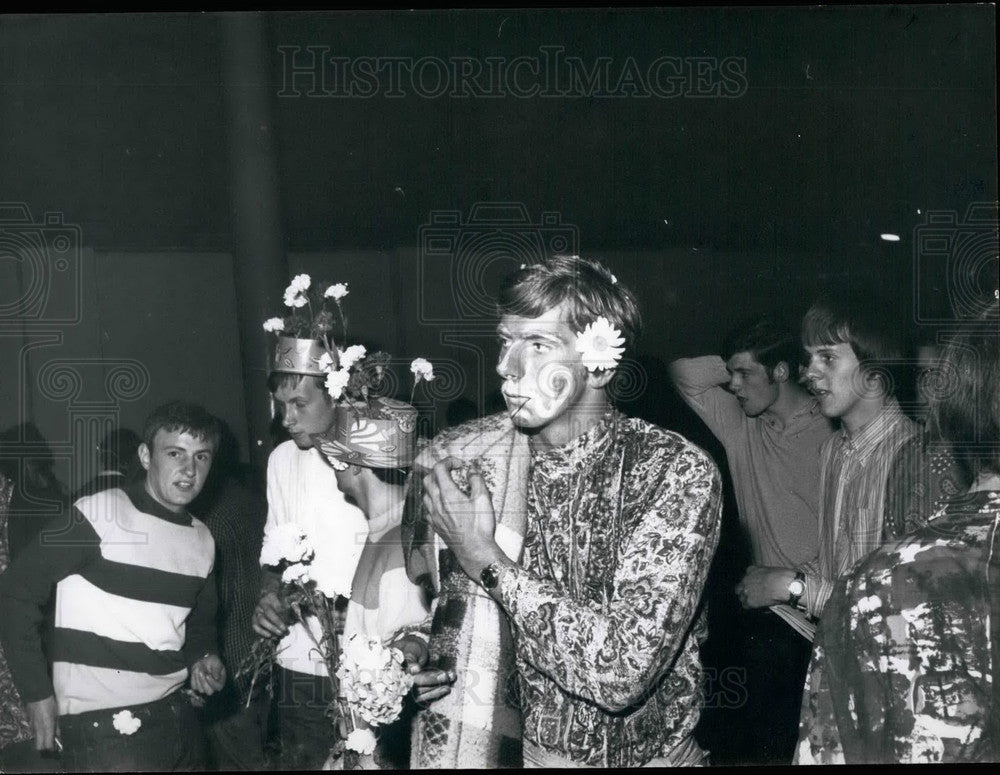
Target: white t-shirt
[(302, 489)]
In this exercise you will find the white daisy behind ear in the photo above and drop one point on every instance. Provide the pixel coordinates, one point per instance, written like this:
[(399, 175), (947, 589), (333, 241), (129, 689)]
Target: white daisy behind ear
[(600, 344)]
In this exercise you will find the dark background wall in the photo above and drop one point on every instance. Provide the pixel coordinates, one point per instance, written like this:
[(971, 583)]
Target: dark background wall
[(733, 196)]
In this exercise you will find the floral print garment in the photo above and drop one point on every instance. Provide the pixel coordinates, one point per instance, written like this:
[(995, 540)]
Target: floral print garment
[(905, 655), (14, 726), (622, 526)]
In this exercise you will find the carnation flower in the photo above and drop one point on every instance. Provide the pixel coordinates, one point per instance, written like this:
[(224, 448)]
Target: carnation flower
[(331, 578), (295, 299), (326, 362), (337, 291), (296, 572), (422, 369), (274, 325), (285, 543), (352, 355), (336, 381), (373, 679), (361, 740), (299, 284), (600, 343), (125, 722)]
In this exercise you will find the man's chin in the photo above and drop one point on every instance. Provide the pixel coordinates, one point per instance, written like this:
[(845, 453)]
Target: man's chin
[(303, 442)]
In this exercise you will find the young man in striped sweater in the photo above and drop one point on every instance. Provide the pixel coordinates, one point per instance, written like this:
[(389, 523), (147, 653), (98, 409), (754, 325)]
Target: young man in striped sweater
[(135, 612)]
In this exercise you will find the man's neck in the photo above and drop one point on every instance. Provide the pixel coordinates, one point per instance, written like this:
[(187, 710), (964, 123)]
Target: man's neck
[(862, 413), (791, 401)]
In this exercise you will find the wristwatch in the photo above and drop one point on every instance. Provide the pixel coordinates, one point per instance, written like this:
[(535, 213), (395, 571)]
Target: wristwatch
[(796, 588), (489, 576)]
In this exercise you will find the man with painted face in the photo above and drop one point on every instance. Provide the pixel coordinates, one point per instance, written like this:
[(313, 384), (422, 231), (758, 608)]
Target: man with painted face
[(135, 612), (772, 431), (591, 533), (302, 489)]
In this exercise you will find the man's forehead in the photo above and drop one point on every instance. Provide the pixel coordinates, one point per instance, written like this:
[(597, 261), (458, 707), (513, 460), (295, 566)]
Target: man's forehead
[(180, 438), (289, 391), (552, 323), (742, 360)]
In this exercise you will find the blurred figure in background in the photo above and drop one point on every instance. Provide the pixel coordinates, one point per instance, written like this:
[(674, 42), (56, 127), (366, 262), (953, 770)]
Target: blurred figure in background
[(118, 461), (27, 460)]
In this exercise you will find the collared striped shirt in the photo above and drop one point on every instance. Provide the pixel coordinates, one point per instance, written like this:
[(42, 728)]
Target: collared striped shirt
[(857, 472)]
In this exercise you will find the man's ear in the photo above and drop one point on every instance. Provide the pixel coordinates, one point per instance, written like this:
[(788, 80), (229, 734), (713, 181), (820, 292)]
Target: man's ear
[(599, 379), (781, 372), (144, 455)]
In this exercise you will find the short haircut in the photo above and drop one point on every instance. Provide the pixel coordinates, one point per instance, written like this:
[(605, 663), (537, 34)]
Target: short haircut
[(968, 410), (586, 289), (769, 342), (183, 417), (279, 379), (865, 323)]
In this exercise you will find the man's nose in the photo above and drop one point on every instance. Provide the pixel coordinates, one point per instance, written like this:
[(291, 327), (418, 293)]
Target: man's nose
[(509, 365)]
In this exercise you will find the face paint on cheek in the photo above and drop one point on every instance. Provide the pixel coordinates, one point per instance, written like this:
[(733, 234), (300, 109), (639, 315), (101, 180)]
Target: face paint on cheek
[(555, 383)]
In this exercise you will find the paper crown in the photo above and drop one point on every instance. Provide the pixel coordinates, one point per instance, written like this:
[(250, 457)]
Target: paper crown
[(302, 356), (383, 436)]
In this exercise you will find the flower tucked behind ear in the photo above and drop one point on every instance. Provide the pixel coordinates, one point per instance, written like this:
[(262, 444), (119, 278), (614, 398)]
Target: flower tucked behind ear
[(601, 345)]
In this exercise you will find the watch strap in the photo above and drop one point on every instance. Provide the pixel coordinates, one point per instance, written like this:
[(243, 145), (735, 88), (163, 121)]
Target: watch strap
[(793, 598)]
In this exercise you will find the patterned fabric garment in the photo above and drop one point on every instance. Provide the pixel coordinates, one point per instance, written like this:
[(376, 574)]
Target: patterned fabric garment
[(477, 725), (908, 648), (623, 523), (14, 726)]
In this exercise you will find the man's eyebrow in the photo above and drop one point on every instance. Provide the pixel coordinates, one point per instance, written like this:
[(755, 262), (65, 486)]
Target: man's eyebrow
[(531, 336), (542, 335)]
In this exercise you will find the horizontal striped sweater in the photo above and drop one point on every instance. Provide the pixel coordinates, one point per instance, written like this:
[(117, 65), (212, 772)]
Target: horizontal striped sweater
[(135, 603)]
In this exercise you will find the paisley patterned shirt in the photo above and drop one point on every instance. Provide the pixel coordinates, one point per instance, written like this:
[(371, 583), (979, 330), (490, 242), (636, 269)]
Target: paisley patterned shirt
[(907, 651), (622, 525)]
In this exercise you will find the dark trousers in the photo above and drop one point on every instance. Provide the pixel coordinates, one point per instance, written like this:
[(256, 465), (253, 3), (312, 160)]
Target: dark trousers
[(170, 738), (236, 731), (305, 731), (777, 659)]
